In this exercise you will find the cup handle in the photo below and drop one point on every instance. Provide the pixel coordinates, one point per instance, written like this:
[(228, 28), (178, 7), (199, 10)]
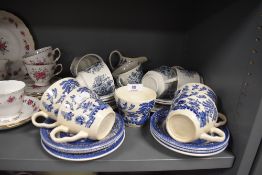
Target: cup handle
[(220, 138), (171, 80), (65, 129), (61, 68), (59, 54), (119, 81), (223, 120), (44, 125), (110, 58)]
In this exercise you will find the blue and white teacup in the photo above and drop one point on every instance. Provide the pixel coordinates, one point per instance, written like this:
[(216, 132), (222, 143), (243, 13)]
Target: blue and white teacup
[(195, 89), (135, 104), (84, 115), (97, 76), (128, 73), (193, 117), (162, 80), (52, 99)]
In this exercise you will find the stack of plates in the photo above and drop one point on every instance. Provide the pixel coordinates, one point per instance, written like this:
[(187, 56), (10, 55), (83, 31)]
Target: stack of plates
[(84, 149), (197, 148)]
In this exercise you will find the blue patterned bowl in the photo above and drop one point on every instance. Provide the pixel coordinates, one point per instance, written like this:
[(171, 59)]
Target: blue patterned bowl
[(135, 105)]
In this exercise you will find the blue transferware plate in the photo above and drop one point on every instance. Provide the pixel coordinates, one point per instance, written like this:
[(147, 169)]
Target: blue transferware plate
[(157, 128), (190, 153), (85, 156), (84, 145)]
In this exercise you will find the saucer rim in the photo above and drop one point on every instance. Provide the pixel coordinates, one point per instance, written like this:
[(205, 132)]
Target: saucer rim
[(16, 123), (112, 148)]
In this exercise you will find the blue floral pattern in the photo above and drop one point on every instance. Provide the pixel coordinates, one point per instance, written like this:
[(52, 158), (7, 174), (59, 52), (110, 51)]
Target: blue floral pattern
[(95, 67), (136, 76), (169, 72), (86, 106), (137, 118), (204, 109), (103, 85), (201, 89), (53, 98)]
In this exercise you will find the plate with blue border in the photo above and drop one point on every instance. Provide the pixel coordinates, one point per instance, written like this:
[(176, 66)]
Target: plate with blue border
[(84, 156), (84, 145), (198, 146)]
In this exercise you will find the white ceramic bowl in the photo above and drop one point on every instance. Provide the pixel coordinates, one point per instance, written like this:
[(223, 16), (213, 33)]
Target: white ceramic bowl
[(135, 106), (11, 97)]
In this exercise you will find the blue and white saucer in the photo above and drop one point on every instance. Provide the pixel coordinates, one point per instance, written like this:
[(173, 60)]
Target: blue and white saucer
[(84, 145), (196, 148), (85, 156)]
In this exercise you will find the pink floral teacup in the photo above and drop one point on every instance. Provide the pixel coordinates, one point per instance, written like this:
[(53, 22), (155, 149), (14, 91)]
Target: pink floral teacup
[(42, 56), (41, 74), (11, 98)]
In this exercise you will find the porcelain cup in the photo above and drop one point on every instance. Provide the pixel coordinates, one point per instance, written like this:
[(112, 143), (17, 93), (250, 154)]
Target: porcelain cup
[(85, 115), (162, 80), (135, 104), (97, 77), (185, 76), (3, 68), (120, 59), (42, 56), (128, 73), (195, 89), (195, 117), (42, 74), (11, 97), (52, 99), (80, 64)]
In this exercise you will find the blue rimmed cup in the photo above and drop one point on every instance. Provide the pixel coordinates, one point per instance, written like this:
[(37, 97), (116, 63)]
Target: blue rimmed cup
[(52, 99), (135, 105)]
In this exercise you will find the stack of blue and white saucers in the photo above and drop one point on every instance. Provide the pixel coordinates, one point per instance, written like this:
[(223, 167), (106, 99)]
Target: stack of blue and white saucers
[(84, 149), (197, 148)]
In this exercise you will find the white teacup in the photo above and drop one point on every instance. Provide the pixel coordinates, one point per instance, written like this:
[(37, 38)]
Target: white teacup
[(116, 55), (3, 68), (11, 97), (193, 117), (162, 80), (185, 76), (86, 116), (52, 99), (128, 73), (135, 104), (42, 56), (42, 74), (97, 76)]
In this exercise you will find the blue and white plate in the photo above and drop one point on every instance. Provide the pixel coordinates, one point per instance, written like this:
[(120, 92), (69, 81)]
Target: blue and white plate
[(84, 156), (84, 145), (199, 146), (190, 153)]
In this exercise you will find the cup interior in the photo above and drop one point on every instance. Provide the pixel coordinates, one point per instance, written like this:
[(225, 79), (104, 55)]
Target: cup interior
[(11, 86), (87, 61), (142, 95)]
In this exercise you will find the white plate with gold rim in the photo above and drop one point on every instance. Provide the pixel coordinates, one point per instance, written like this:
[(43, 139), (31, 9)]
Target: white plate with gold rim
[(15, 42), (30, 106)]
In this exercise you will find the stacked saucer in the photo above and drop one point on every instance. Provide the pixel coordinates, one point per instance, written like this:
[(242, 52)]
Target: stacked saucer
[(198, 148), (84, 149)]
